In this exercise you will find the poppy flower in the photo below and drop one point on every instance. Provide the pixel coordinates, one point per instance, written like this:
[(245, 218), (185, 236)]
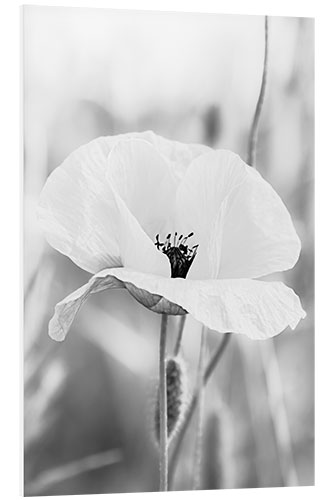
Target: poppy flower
[(184, 228)]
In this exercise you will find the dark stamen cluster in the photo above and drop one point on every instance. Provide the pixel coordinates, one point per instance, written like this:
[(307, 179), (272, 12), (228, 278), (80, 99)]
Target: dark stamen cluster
[(178, 252)]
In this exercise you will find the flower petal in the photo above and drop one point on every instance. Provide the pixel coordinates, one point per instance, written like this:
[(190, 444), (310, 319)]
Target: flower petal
[(144, 180), (256, 309), (66, 310), (77, 210), (137, 250), (179, 154), (238, 216), (83, 218)]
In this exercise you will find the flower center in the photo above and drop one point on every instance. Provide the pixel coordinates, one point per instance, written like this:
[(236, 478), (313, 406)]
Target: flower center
[(178, 252)]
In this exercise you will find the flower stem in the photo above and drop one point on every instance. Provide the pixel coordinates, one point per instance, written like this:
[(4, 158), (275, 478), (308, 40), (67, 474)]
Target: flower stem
[(278, 412), (59, 474), (182, 320), (200, 418), (163, 407), (267, 350), (190, 411), (251, 158)]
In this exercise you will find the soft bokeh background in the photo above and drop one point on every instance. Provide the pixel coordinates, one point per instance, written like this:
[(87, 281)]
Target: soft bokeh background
[(89, 401)]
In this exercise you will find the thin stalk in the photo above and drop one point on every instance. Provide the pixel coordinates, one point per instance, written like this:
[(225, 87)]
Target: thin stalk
[(247, 363), (253, 138), (269, 359), (200, 417), (182, 320), (62, 473), (278, 413), (192, 406), (163, 407)]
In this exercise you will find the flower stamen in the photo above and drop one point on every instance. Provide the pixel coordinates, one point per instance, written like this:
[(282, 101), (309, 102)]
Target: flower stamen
[(179, 254)]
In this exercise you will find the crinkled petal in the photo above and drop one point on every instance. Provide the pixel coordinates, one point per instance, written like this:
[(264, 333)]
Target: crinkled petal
[(83, 218), (66, 310), (237, 216), (256, 309), (137, 250), (77, 211), (179, 154), (144, 180)]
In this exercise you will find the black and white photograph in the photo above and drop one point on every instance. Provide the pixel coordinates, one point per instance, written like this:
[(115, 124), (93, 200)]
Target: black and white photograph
[(168, 251)]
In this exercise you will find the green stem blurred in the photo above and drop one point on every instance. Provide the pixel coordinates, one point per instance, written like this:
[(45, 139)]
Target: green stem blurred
[(190, 411), (182, 320), (270, 362), (56, 475), (163, 407), (200, 418), (278, 411), (251, 158)]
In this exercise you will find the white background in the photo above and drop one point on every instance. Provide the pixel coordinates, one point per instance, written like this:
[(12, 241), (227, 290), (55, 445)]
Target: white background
[(10, 243)]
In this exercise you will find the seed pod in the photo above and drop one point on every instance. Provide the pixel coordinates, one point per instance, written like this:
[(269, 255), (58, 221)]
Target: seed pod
[(176, 383)]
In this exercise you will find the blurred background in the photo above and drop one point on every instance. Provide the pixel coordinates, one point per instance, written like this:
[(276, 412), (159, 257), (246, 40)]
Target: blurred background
[(89, 402)]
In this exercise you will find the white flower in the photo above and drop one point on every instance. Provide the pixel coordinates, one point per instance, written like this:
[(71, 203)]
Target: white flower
[(137, 209)]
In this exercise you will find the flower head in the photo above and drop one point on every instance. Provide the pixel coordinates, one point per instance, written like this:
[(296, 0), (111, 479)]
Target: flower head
[(182, 227)]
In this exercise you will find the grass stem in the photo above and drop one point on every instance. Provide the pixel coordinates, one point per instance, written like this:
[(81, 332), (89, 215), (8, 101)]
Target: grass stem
[(182, 320), (253, 138)]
